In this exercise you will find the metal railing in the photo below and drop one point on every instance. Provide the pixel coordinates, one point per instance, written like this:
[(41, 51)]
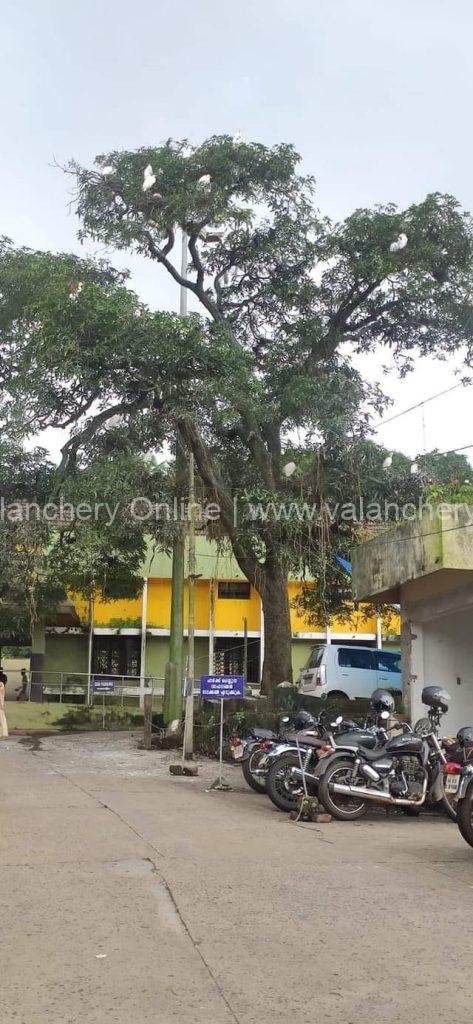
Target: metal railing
[(72, 686)]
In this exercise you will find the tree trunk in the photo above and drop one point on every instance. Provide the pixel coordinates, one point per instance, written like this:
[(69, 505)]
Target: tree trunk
[(277, 666)]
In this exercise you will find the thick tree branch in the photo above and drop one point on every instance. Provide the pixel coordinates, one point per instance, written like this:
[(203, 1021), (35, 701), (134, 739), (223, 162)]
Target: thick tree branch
[(215, 487), (161, 255)]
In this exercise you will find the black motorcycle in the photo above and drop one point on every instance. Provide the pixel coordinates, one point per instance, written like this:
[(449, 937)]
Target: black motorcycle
[(252, 749), (299, 761), (462, 791), (405, 773)]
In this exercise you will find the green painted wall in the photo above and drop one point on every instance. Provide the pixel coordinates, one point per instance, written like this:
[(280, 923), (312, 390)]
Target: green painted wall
[(66, 653), (300, 652), (157, 654)]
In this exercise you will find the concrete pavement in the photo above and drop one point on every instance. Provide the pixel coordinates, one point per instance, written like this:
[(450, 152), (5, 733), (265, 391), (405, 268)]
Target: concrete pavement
[(131, 896)]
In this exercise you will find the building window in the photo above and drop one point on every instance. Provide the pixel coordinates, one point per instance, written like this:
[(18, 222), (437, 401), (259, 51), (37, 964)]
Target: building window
[(236, 590), (229, 658), (116, 656)]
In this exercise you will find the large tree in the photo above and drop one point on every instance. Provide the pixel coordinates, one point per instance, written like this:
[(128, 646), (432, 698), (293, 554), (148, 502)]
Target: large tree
[(67, 327), (289, 297), (266, 377), (70, 535)]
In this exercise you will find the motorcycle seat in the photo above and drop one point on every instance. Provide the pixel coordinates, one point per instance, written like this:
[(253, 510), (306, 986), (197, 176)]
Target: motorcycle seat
[(263, 734), (304, 738), (372, 755)]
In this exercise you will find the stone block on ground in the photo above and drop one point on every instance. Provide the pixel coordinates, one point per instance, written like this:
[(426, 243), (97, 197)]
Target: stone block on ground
[(184, 769)]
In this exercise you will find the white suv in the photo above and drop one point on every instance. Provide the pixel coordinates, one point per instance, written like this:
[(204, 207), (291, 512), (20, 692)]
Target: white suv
[(338, 670)]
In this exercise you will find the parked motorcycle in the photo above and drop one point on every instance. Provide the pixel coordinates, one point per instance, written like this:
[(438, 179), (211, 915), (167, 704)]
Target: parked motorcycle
[(300, 758), (405, 773), (460, 782), (251, 750)]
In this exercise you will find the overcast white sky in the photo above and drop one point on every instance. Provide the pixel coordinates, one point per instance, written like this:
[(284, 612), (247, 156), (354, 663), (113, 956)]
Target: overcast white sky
[(376, 96)]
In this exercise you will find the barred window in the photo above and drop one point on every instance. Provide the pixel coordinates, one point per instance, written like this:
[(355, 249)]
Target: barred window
[(239, 590)]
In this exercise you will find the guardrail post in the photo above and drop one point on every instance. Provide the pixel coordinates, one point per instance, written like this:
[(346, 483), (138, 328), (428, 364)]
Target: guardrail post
[(60, 688)]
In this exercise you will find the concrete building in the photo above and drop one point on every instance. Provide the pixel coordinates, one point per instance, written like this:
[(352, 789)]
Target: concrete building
[(131, 637), (426, 566)]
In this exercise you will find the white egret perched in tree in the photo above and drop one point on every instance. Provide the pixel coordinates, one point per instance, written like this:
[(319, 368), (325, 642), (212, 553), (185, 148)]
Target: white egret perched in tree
[(149, 178), (400, 243)]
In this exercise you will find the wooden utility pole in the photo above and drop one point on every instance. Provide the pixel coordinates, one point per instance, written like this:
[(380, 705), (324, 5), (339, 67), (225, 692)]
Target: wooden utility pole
[(189, 717)]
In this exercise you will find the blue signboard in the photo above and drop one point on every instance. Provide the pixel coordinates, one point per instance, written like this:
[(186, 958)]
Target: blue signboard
[(221, 687), (103, 685)]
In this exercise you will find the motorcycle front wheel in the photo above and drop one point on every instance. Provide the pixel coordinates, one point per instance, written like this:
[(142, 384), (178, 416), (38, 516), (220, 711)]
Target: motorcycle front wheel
[(283, 787), (256, 782), (447, 803), (465, 816), (344, 808)]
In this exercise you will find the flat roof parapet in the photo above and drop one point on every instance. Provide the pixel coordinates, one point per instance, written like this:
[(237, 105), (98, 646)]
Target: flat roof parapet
[(440, 540)]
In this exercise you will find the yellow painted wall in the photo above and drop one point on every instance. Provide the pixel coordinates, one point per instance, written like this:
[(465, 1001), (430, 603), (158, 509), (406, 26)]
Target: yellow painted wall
[(106, 611), (159, 603), (357, 623), (230, 612), (299, 623)]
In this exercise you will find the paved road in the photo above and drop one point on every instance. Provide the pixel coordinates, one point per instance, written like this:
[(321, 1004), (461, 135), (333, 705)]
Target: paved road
[(131, 897)]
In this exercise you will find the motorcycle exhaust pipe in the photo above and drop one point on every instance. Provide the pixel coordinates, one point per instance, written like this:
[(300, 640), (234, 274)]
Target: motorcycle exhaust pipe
[(378, 796)]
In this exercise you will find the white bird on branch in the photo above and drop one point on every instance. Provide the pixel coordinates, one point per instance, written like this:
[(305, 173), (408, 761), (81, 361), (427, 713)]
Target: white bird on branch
[(388, 461), (205, 179), (289, 469), (149, 179), (414, 468), (400, 243)]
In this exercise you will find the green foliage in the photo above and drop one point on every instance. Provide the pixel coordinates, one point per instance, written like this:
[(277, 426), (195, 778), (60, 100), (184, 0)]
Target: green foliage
[(287, 299), (15, 652), (82, 718)]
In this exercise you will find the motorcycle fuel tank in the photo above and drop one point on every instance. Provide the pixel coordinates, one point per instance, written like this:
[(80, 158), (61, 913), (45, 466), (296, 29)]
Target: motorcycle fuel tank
[(356, 738), (406, 744)]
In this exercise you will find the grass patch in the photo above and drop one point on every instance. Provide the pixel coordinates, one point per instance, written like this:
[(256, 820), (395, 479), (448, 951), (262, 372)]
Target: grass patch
[(29, 715), (70, 717)]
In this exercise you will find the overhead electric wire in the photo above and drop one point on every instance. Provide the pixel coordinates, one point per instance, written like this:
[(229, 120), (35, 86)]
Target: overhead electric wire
[(418, 405)]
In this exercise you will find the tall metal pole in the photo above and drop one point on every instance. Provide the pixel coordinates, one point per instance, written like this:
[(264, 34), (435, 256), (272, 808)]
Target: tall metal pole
[(189, 718), (245, 650), (211, 627), (91, 648), (172, 705), (144, 620)]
